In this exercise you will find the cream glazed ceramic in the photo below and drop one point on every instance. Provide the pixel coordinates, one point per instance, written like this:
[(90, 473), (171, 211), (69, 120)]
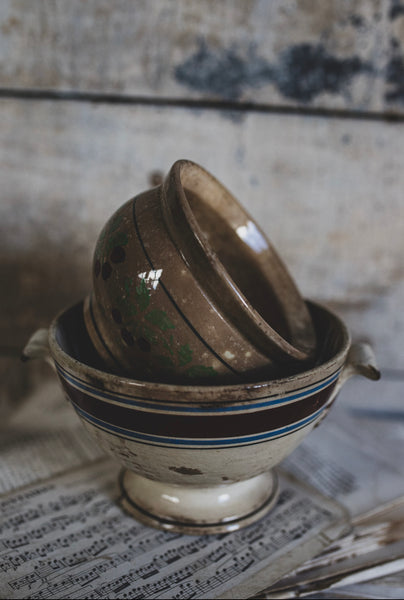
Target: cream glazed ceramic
[(199, 459)]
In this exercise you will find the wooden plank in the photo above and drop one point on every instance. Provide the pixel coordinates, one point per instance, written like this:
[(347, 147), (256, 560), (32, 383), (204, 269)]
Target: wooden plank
[(328, 54), (327, 192)]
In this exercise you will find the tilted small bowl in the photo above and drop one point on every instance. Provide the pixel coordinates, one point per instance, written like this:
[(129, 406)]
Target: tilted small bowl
[(186, 286), (199, 459)]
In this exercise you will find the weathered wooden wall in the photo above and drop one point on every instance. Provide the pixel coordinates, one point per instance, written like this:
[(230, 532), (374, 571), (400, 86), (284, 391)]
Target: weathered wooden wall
[(340, 54), (286, 102)]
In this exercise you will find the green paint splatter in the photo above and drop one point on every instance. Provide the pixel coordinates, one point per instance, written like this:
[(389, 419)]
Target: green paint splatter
[(154, 325), (128, 284), (165, 361), (168, 344), (150, 335), (109, 228), (142, 295), (115, 222), (185, 355), (160, 319)]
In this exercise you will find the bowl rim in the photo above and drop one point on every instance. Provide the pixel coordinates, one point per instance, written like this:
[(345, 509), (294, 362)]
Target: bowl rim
[(226, 392), (180, 216)]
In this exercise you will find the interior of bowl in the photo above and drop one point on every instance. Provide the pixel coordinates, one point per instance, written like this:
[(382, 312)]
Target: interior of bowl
[(72, 339), (261, 296), (237, 242)]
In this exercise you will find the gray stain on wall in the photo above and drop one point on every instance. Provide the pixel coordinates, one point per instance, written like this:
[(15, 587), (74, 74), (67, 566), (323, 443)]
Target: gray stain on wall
[(302, 72), (395, 74), (223, 72), (396, 9), (306, 70)]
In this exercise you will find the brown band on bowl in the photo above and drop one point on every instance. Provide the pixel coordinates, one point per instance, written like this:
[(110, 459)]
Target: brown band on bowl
[(211, 426)]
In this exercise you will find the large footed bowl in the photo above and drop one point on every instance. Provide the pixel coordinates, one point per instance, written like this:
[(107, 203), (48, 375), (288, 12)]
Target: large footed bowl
[(199, 459)]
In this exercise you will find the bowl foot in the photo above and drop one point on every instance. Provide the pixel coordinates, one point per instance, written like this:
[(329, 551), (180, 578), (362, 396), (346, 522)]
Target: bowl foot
[(198, 510)]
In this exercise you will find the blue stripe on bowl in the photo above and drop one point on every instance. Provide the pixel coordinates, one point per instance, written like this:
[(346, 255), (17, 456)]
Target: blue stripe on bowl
[(146, 404), (196, 443)]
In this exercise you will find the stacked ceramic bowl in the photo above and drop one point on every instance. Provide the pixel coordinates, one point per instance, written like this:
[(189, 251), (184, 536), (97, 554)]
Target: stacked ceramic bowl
[(187, 289), (195, 361)]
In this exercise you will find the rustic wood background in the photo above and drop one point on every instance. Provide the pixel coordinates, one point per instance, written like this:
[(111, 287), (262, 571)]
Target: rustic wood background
[(296, 105)]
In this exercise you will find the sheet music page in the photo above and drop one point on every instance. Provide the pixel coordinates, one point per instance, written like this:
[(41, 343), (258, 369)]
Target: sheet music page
[(357, 454), (68, 537)]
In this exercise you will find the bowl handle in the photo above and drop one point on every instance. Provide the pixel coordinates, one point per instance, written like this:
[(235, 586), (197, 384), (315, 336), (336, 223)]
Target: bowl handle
[(38, 347), (361, 360)]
